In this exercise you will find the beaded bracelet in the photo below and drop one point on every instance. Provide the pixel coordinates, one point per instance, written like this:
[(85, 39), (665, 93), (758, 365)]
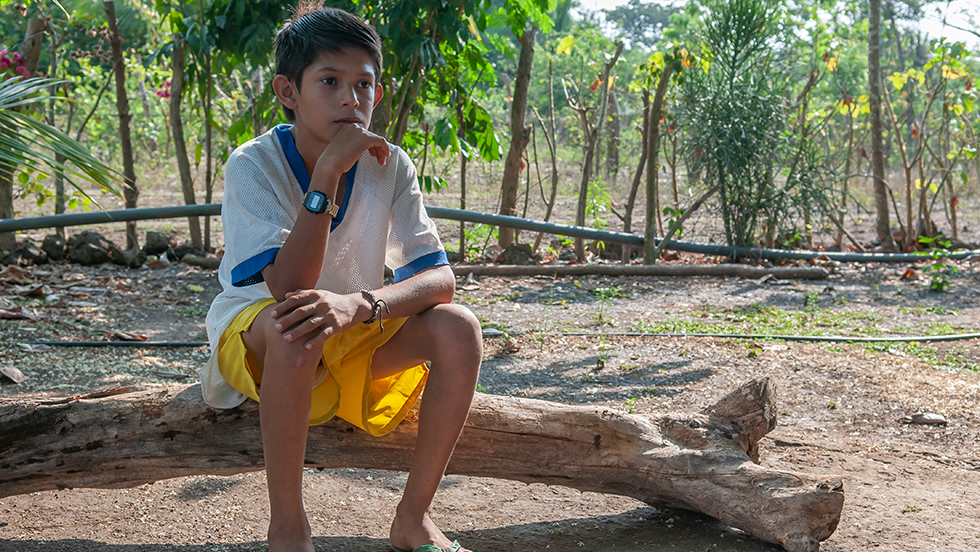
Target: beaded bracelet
[(376, 313)]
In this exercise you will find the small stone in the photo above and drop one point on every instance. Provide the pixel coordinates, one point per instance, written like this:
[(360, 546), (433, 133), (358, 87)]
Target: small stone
[(158, 243), (132, 258), (925, 418), (203, 261), (55, 246), (25, 255), (178, 253), (88, 254)]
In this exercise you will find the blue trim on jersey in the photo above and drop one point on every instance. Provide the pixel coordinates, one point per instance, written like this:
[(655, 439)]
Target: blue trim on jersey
[(295, 161), (293, 156), (249, 271), (437, 258)]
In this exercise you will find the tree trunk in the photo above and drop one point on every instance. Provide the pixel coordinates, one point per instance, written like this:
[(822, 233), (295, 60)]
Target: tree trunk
[(30, 50), (699, 461), (130, 192), (882, 224), (520, 135), (183, 163), (613, 139), (592, 139), (550, 136), (638, 175), (653, 167), (208, 184)]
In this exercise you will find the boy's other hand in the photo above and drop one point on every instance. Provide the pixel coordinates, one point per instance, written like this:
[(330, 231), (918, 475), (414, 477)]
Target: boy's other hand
[(347, 146), (315, 315)]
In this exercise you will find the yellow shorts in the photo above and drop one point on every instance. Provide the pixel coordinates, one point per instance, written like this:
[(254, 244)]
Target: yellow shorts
[(343, 385)]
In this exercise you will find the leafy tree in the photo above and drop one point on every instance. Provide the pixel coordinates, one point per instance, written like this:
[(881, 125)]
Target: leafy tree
[(734, 111), (641, 23)]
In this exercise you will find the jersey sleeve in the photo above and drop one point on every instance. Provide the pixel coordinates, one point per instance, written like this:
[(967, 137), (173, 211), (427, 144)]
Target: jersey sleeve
[(255, 223), (413, 242)]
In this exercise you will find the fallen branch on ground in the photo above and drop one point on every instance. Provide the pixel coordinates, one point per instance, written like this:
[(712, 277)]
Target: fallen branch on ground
[(698, 462), (718, 270)]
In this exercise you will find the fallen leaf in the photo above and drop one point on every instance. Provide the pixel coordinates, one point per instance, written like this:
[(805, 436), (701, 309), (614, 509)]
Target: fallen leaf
[(15, 275), (12, 374), (194, 288), (33, 290), (35, 347), (73, 277), (15, 313), (910, 274), (123, 336), (170, 375)]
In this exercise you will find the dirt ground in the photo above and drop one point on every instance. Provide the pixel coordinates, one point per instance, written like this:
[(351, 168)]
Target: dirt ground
[(907, 487)]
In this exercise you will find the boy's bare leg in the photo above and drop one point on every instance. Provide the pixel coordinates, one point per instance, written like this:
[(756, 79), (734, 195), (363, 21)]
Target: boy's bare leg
[(284, 413), (449, 336)]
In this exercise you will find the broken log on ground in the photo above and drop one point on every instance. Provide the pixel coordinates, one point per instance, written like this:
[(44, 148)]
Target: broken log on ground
[(715, 270), (701, 461)]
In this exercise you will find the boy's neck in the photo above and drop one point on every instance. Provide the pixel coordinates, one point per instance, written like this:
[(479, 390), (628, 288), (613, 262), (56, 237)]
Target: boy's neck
[(309, 149)]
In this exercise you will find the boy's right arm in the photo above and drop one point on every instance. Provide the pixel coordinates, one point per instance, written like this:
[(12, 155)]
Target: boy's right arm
[(298, 264)]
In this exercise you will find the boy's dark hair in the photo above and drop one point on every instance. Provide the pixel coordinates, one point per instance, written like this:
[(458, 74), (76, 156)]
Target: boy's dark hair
[(314, 30)]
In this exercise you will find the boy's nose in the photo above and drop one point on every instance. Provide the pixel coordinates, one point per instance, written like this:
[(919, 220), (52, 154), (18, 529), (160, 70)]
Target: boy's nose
[(350, 97)]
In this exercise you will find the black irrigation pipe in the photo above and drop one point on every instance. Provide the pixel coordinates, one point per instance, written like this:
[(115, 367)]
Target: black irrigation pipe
[(812, 338), (213, 209), (816, 338), (120, 343)]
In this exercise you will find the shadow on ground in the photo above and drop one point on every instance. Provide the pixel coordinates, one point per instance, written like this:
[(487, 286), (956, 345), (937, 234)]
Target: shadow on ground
[(637, 530)]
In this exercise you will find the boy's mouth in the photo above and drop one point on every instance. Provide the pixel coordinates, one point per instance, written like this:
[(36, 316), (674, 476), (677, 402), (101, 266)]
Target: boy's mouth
[(348, 121)]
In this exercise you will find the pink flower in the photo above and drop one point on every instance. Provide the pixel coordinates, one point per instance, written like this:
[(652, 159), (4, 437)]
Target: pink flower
[(167, 84), (166, 94), (22, 71), (4, 62), (2, 52), (19, 60)]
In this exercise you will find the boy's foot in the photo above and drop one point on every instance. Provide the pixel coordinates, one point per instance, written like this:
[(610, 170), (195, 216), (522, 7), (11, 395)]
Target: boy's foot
[(408, 534), (284, 545), (291, 538)]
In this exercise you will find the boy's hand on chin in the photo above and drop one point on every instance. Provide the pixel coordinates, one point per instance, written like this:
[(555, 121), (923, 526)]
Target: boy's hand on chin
[(314, 315), (347, 146)]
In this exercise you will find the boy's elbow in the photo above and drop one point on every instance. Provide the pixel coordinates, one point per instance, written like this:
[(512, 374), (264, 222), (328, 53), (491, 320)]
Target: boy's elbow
[(445, 287)]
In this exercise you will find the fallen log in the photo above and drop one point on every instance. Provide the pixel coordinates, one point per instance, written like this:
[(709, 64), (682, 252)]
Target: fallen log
[(695, 461), (717, 270)]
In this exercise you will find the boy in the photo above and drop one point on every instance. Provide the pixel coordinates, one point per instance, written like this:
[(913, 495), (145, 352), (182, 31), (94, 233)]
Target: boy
[(311, 213)]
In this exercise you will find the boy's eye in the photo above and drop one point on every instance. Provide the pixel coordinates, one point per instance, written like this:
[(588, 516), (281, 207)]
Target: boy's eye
[(329, 80), (366, 84)]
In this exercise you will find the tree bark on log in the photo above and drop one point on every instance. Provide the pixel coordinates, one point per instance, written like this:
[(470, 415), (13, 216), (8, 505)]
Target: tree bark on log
[(698, 462)]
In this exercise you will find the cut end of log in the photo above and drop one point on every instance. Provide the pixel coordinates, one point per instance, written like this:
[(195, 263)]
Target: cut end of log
[(750, 410)]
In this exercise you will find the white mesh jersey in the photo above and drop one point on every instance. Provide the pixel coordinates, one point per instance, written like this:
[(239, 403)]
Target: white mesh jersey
[(381, 222)]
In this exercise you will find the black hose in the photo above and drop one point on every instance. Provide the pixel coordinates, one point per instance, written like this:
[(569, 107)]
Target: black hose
[(120, 343), (211, 209), (817, 338)]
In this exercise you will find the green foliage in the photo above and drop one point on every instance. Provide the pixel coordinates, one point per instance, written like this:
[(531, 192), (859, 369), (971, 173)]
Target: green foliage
[(940, 269), (34, 145), (734, 112)]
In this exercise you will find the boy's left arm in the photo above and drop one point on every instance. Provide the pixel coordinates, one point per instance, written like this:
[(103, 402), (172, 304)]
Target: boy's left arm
[(329, 313)]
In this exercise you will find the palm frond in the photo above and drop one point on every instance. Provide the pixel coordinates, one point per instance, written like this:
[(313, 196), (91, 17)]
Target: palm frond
[(33, 143)]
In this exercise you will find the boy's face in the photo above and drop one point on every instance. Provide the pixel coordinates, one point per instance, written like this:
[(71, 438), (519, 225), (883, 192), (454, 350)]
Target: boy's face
[(338, 88)]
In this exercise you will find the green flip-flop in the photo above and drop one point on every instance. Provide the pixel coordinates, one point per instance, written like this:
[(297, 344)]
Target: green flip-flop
[(454, 547)]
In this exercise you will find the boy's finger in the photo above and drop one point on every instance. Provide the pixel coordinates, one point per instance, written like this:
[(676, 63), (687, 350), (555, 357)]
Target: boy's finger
[(320, 338)]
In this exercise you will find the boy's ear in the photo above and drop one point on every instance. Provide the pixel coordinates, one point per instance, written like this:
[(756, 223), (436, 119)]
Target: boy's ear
[(379, 92), (285, 90)]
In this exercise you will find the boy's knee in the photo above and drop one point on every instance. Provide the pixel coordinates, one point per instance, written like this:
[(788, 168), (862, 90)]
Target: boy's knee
[(455, 326), (266, 341)]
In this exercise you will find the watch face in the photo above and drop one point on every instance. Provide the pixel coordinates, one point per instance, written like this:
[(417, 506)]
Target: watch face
[(315, 202)]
